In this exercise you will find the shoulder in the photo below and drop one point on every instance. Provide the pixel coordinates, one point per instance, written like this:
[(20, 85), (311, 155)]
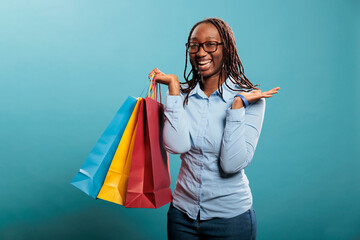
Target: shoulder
[(184, 85), (237, 87)]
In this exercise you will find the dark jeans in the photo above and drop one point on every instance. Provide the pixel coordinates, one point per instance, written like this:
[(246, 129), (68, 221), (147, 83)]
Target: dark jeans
[(180, 226)]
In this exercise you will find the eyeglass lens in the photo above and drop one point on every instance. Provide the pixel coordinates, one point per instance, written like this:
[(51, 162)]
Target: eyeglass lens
[(207, 46)]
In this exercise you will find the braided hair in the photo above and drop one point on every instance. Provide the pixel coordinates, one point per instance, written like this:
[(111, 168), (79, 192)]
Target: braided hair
[(231, 62)]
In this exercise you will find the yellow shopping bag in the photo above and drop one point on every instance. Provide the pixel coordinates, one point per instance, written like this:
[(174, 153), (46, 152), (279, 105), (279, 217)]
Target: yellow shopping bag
[(115, 184)]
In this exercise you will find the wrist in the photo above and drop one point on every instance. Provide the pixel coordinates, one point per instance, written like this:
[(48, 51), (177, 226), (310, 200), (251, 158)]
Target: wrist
[(237, 103), (243, 99), (174, 87)]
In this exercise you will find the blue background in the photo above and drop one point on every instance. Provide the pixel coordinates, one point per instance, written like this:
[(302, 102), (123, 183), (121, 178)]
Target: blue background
[(67, 66)]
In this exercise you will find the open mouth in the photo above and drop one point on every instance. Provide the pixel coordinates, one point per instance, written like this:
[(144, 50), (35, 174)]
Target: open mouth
[(204, 64)]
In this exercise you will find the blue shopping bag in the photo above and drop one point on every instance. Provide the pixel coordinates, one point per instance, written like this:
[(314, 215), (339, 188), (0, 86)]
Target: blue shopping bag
[(92, 173)]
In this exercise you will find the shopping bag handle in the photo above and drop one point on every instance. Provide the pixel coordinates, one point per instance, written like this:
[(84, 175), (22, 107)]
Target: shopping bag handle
[(154, 88)]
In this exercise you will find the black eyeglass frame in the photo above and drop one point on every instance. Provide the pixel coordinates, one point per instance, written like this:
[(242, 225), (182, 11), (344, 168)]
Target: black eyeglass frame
[(203, 46)]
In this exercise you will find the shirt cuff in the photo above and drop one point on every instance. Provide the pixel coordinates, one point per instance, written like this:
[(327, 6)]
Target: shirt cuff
[(173, 102), (235, 115)]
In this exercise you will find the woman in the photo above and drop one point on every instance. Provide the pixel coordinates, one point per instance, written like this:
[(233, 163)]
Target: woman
[(214, 122)]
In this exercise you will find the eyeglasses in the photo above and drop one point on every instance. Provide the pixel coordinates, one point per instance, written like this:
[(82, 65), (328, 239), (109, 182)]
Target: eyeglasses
[(209, 47)]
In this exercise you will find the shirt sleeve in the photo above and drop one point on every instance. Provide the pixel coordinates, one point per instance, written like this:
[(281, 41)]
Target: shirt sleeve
[(176, 132), (241, 135)]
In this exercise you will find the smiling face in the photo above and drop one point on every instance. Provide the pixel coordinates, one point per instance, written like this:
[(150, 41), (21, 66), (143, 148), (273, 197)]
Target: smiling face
[(208, 64)]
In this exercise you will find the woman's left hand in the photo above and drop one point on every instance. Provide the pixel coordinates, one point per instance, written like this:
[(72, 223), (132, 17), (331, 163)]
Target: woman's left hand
[(252, 96)]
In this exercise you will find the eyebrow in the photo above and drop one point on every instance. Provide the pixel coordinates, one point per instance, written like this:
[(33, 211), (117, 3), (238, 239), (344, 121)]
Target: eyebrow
[(194, 38)]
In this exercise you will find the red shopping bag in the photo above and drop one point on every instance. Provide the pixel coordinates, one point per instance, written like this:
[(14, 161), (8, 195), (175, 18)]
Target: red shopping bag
[(149, 176)]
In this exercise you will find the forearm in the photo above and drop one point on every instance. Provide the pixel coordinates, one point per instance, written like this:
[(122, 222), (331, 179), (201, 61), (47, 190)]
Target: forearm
[(176, 133), (241, 134), (174, 87)]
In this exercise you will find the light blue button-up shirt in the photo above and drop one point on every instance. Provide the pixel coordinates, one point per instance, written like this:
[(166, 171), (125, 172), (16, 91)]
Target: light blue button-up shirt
[(216, 143)]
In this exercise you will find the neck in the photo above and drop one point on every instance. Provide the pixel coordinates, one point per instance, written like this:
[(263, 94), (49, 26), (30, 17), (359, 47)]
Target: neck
[(210, 84)]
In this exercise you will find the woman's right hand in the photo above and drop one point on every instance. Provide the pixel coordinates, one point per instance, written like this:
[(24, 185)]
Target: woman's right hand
[(170, 80)]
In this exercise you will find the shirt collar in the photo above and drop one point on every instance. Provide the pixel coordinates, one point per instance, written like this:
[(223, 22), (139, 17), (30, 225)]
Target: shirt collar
[(197, 90), (228, 94)]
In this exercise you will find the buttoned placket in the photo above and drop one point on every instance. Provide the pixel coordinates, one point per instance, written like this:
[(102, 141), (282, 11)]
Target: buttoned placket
[(205, 125), (202, 132)]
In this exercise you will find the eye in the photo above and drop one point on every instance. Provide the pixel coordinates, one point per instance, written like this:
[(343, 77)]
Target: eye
[(193, 45), (210, 44)]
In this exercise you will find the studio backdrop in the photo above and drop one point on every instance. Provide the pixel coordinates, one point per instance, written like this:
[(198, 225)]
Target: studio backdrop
[(66, 67)]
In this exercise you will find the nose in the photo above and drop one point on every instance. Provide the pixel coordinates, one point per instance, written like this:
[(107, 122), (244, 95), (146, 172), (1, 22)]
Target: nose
[(201, 52)]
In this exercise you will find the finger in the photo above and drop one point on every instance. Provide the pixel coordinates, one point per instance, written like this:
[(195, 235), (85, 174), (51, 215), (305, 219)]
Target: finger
[(157, 71), (159, 75), (151, 73), (272, 91)]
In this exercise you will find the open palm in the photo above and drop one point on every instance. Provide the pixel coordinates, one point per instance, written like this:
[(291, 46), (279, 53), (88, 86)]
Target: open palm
[(257, 94)]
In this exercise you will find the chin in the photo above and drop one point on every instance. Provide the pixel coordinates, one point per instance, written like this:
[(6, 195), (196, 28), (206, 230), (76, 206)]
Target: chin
[(208, 73)]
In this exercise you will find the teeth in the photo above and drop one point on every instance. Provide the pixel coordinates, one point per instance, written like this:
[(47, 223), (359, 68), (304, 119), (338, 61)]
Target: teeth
[(204, 62)]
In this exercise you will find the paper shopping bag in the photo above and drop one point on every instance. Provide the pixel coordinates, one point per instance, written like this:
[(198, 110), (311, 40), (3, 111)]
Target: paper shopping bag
[(92, 173), (114, 187), (149, 176)]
